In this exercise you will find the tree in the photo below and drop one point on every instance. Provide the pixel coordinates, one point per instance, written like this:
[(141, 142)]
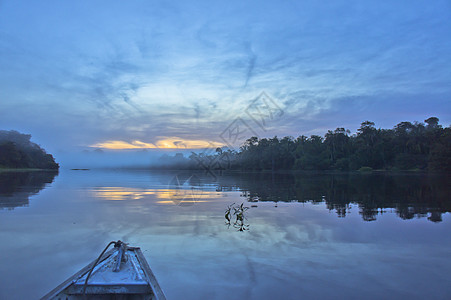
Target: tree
[(11, 157), (440, 156), (407, 146), (338, 146), (432, 122), (17, 151)]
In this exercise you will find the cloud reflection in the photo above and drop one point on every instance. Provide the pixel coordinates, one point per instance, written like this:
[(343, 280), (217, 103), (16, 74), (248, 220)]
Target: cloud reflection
[(162, 195)]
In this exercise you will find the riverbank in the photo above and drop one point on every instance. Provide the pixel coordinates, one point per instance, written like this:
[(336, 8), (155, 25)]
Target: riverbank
[(25, 170)]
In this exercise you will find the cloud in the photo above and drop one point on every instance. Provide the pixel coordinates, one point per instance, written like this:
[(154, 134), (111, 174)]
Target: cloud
[(73, 75), (165, 143), (124, 145)]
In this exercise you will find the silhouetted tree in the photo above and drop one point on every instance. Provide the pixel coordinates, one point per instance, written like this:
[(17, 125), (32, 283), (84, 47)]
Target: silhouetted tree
[(407, 146), (17, 151)]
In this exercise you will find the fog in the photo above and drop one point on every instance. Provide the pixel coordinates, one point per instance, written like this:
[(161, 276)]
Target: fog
[(103, 158)]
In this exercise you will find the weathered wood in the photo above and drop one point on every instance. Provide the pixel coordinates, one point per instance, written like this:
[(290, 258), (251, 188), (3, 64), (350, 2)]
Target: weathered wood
[(120, 252), (152, 279), (74, 277), (93, 289), (143, 285)]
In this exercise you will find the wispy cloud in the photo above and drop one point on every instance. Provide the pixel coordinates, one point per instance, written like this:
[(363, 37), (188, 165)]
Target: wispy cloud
[(142, 71), (162, 143)]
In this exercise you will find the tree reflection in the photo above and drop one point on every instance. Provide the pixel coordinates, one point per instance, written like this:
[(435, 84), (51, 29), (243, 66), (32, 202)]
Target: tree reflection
[(409, 195), (17, 187)]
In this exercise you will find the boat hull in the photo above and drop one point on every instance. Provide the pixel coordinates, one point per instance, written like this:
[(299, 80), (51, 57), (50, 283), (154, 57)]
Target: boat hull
[(134, 280)]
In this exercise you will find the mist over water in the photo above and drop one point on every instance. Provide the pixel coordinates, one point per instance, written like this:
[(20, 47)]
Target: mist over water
[(105, 158)]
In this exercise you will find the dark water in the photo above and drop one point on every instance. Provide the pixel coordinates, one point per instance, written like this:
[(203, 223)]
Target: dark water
[(304, 236)]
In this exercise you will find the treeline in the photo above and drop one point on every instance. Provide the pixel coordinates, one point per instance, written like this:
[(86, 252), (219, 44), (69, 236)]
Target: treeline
[(17, 151), (408, 146)]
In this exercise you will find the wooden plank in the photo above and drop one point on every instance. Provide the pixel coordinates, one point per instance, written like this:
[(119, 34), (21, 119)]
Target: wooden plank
[(152, 279)]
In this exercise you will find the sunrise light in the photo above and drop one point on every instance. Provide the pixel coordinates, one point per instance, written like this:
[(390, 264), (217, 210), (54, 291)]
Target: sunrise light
[(166, 143)]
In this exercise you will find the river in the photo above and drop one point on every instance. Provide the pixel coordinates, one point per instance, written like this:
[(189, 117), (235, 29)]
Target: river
[(303, 236)]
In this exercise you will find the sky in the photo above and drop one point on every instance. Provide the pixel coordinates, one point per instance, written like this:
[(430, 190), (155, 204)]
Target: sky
[(185, 74)]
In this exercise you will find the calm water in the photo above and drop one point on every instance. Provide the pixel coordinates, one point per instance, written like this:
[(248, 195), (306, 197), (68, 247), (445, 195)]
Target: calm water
[(309, 236)]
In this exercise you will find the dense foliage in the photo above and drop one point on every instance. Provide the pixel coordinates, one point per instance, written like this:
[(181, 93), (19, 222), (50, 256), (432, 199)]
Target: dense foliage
[(17, 151), (408, 146)]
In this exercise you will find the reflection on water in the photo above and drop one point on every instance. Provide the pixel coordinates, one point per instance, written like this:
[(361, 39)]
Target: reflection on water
[(186, 190), (17, 187), (298, 248), (408, 195), (121, 193), (236, 214), (178, 195)]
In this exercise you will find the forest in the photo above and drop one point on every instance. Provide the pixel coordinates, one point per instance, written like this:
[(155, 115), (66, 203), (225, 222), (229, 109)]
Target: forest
[(408, 146), (17, 151)]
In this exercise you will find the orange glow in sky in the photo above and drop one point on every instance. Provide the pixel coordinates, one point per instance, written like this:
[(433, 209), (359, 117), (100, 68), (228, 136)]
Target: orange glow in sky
[(166, 143)]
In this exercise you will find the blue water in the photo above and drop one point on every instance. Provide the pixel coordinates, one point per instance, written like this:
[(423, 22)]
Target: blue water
[(308, 236)]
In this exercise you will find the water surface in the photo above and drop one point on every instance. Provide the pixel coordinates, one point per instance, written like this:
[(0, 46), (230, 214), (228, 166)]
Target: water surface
[(304, 236)]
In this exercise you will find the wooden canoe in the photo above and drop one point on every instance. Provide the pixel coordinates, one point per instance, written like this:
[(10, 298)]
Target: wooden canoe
[(120, 273)]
